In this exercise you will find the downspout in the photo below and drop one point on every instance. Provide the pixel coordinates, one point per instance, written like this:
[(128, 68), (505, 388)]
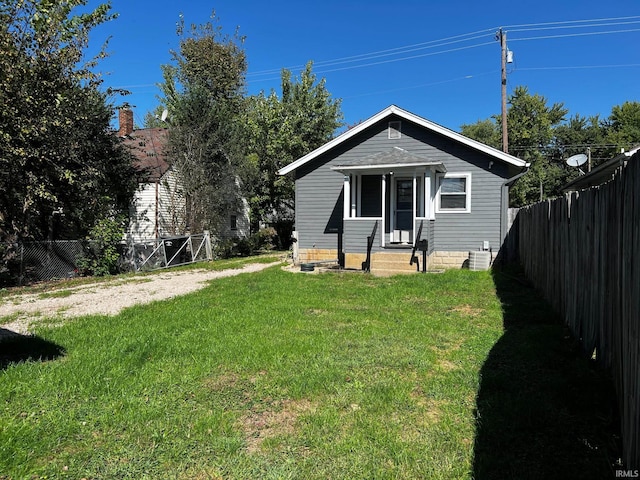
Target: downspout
[(504, 202)]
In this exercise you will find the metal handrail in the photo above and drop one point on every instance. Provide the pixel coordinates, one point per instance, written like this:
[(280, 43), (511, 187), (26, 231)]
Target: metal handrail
[(414, 259), (366, 266)]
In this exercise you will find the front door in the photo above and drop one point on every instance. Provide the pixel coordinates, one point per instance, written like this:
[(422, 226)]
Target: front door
[(403, 214)]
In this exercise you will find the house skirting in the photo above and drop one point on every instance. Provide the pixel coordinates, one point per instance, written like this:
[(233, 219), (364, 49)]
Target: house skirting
[(447, 260), (389, 260), (306, 255)]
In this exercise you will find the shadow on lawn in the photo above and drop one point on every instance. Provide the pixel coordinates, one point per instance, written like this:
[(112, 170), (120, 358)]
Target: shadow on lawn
[(543, 410), (16, 348)]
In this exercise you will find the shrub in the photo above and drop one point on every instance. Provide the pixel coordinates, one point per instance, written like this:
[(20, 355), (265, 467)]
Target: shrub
[(101, 249), (263, 239)]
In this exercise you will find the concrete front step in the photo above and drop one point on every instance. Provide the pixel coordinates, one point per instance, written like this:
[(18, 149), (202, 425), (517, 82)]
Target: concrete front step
[(386, 263), (401, 266), (380, 272), (394, 266)]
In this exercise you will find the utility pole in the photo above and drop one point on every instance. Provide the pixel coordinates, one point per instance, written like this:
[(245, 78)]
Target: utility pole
[(502, 36)]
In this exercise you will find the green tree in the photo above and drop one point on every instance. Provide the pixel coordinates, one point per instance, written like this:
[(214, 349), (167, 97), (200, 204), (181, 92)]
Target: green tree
[(281, 130), (61, 168), (204, 93), (623, 125), (485, 131), (580, 135), (531, 123)]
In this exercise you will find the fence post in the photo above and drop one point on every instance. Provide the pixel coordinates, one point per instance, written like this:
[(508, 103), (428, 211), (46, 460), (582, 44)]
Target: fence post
[(207, 245), (164, 253), (21, 264)]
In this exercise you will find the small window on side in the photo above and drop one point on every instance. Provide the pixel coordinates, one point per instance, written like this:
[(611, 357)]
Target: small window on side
[(395, 129), (233, 221)]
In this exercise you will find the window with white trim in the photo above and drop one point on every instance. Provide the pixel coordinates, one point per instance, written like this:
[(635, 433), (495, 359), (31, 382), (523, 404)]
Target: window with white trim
[(454, 193)]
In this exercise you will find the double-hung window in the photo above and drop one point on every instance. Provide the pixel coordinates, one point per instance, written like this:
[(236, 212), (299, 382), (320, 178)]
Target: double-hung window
[(454, 193)]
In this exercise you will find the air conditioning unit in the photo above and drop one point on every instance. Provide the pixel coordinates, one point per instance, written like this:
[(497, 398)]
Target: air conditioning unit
[(479, 260)]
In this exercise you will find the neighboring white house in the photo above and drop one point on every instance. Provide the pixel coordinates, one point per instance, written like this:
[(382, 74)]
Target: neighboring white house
[(159, 208)]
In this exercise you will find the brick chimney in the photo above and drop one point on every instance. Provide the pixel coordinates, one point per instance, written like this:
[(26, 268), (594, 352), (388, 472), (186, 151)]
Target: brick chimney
[(125, 117)]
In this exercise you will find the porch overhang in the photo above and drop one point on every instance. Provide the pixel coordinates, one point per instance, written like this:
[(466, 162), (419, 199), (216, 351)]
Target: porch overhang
[(391, 167), (389, 161)]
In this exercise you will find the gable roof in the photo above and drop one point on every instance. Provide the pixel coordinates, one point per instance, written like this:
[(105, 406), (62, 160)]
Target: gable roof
[(148, 147), (403, 114)]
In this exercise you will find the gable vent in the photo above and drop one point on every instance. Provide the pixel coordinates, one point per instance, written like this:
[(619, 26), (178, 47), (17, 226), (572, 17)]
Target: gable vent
[(394, 129)]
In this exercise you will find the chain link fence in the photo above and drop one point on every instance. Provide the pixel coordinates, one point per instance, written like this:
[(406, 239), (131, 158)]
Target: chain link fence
[(33, 262), (41, 261)]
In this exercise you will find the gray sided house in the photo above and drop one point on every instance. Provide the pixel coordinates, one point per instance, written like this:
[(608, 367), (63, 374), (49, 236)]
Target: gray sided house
[(411, 183)]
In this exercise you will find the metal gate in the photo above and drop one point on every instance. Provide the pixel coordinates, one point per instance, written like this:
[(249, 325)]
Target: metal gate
[(170, 252)]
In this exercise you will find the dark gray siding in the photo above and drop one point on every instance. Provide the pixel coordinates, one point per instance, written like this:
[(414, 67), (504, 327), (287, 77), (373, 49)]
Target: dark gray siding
[(467, 231), (424, 233), (431, 236), (463, 231), (319, 203), (356, 233)]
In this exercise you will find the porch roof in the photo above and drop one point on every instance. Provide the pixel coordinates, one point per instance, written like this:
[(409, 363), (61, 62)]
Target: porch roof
[(391, 159)]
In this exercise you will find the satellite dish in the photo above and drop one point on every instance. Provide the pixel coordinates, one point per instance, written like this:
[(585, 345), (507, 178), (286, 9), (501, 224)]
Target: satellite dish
[(576, 160), (165, 113)]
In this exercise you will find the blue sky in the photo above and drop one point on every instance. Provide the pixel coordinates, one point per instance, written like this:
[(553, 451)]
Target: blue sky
[(439, 60)]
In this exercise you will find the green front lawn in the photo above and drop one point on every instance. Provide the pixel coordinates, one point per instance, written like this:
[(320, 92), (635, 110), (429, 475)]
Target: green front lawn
[(281, 375)]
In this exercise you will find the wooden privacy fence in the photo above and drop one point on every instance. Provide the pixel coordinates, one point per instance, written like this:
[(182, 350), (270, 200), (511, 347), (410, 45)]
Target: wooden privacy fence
[(583, 252)]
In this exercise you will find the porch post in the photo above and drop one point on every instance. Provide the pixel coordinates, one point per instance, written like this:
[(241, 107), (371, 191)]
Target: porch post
[(354, 190), (415, 204), (347, 197), (434, 192), (427, 195), (384, 215)]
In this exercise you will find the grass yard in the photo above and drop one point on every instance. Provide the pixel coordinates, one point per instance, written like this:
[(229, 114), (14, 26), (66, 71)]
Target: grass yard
[(280, 375)]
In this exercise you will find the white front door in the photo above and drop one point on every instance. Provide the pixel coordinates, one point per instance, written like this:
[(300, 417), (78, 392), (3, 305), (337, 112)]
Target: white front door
[(403, 210)]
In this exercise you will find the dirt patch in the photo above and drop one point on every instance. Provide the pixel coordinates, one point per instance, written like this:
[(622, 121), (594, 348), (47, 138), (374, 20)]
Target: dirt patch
[(108, 298), (467, 310), (280, 419), (447, 365)]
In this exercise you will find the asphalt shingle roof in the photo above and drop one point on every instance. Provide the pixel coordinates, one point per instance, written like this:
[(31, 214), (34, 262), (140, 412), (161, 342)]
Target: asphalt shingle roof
[(148, 147)]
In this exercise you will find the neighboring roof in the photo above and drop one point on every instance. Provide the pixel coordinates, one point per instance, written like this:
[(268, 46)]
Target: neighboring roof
[(602, 173), (403, 114), (148, 146), (395, 158)]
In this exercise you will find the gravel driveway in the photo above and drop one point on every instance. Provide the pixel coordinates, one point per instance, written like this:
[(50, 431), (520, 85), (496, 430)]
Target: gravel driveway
[(106, 298)]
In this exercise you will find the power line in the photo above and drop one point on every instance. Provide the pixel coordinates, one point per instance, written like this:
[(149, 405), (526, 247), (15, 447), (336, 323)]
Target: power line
[(561, 27), (396, 51), (575, 35), (431, 84), (382, 62), (589, 23), (366, 57), (572, 21), (578, 67)]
